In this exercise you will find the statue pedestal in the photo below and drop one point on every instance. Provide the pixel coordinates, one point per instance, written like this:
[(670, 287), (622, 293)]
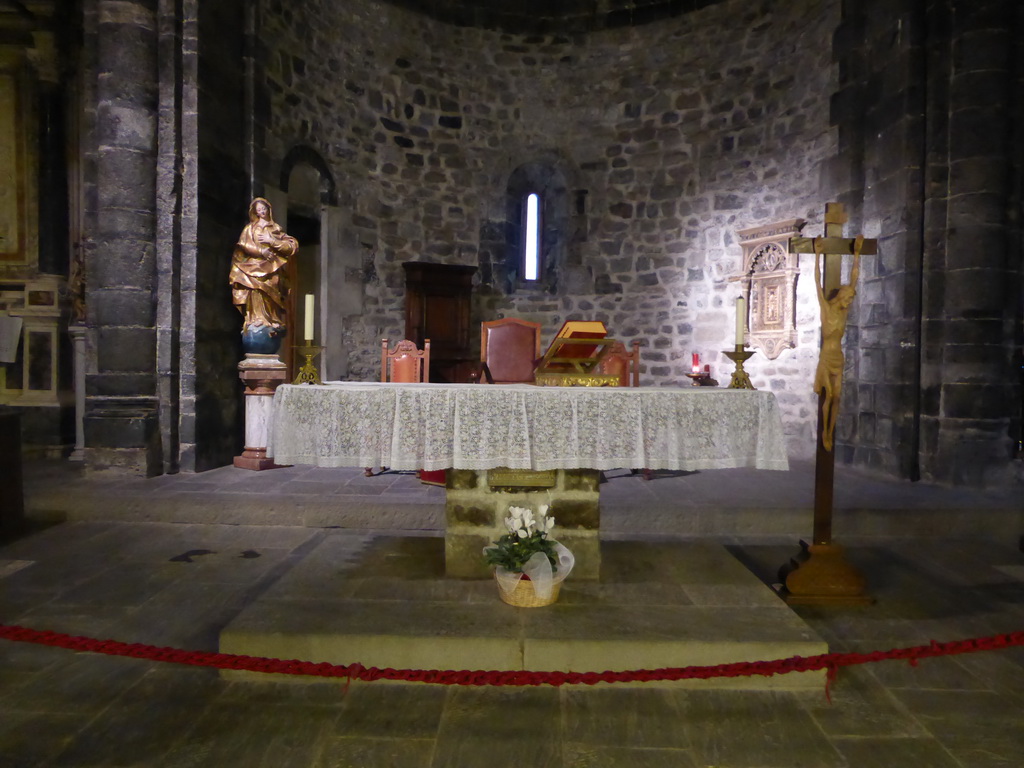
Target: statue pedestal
[(261, 375)]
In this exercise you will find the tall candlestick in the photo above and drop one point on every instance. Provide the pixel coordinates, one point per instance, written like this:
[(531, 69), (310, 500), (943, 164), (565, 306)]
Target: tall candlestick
[(741, 317), (309, 317)]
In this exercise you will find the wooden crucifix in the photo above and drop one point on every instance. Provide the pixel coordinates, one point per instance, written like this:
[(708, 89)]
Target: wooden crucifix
[(820, 573)]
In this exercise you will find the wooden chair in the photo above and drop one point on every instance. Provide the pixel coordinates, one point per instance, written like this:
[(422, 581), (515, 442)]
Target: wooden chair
[(626, 365), (405, 363), (509, 350)]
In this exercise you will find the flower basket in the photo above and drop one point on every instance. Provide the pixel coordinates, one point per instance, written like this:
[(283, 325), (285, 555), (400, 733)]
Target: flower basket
[(529, 567), (523, 595)]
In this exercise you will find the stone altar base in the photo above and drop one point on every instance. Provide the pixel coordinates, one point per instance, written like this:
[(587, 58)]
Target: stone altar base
[(477, 502), (388, 603)]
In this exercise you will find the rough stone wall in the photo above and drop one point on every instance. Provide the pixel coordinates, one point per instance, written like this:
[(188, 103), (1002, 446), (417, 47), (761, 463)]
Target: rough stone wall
[(879, 121), (679, 133), (933, 389), (210, 386), (543, 17)]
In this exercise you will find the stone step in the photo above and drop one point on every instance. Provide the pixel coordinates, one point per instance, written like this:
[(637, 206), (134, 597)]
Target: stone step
[(384, 601)]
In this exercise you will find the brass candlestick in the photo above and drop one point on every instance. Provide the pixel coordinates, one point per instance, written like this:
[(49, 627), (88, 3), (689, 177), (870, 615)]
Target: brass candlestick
[(740, 379), (308, 374)]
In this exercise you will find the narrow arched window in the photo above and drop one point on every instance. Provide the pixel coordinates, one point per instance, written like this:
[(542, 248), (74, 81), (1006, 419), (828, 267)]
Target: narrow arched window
[(531, 256), (537, 228)]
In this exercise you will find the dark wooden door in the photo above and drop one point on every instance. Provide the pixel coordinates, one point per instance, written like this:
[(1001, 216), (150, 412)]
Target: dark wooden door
[(438, 299)]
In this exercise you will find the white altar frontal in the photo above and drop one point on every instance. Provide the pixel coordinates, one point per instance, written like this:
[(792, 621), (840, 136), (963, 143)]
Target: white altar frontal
[(520, 426), (480, 431)]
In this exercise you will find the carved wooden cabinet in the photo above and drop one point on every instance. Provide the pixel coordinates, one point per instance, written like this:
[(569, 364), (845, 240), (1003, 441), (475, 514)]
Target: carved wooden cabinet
[(438, 303)]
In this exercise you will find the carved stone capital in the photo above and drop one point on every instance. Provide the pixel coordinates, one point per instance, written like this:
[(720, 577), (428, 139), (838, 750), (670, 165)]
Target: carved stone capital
[(262, 374)]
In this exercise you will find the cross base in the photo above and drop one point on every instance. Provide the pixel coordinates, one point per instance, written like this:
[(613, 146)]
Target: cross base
[(821, 575)]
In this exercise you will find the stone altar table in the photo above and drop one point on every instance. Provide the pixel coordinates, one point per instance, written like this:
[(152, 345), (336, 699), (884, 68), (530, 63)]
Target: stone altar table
[(476, 428)]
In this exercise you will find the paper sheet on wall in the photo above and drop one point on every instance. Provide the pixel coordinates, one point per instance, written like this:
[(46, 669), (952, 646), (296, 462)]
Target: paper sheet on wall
[(10, 335)]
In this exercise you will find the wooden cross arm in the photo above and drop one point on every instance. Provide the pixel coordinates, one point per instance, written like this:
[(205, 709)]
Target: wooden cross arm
[(830, 245)]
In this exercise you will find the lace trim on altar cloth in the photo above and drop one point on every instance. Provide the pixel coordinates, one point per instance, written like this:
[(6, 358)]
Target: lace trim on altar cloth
[(477, 426)]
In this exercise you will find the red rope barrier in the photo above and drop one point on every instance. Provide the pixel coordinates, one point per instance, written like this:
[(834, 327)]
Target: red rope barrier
[(829, 661)]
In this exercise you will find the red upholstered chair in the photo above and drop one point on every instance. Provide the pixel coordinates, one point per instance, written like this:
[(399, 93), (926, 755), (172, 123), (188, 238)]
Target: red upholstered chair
[(405, 363), (509, 350), (626, 365)]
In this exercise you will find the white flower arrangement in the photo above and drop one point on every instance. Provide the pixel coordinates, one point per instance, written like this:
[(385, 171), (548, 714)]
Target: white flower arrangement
[(522, 523), (528, 551), (527, 535)]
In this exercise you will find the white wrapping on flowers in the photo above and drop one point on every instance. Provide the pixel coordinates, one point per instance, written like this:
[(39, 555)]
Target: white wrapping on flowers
[(522, 523)]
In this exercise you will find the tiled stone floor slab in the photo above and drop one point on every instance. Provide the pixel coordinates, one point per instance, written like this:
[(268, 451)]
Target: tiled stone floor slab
[(767, 729), (968, 723), (887, 752), (487, 728)]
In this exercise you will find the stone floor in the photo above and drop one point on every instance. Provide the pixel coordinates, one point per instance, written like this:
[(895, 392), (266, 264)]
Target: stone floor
[(172, 561), (386, 602)]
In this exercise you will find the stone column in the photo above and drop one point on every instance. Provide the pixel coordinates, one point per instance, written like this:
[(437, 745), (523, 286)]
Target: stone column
[(120, 423), (261, 374), (77, 333), (971, 384)]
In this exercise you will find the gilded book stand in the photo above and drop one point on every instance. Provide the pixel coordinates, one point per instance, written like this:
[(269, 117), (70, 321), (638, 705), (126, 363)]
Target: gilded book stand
[(575, 356)]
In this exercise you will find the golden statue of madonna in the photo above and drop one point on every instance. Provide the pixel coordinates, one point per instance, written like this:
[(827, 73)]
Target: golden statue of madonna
[(828, 378), (258, 279)]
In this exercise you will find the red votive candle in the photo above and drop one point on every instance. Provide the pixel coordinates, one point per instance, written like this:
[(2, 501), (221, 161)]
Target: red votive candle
[(696, 363)]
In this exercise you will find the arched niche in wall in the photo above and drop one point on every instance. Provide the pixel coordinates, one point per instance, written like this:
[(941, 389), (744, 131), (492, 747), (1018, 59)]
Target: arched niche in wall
[(311, 216)]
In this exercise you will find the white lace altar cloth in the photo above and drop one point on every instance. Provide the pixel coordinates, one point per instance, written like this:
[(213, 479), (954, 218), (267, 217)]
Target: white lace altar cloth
[(520, 426)]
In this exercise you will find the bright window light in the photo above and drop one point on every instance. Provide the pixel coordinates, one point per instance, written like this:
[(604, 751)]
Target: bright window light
[(531, 239)]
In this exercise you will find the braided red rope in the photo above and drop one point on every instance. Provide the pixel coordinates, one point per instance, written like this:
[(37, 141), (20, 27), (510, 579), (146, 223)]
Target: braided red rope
[(829, 661)]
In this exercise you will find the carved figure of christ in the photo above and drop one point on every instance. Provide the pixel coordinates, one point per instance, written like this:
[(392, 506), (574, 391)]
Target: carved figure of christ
[(828, 378), (829, 374), (834, 301)]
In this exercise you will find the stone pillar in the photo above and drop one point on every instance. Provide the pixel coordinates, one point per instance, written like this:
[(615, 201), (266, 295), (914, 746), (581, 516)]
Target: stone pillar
[(77, 333), (971, 384), (477, 504), (120, 423), (261, 374)]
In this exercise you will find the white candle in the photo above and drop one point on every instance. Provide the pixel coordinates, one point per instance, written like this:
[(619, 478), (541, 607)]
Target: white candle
[(741, 317), (309, 317)]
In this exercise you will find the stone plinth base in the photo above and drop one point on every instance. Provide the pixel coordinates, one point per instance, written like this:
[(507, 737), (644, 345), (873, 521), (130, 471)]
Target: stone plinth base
[(256, 459), (477, 504), (261, 374), (122, 438)]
